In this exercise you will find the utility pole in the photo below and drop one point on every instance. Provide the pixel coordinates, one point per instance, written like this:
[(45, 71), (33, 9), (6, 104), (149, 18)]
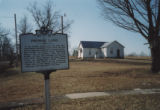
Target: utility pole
[(62, 23), (16, 40)]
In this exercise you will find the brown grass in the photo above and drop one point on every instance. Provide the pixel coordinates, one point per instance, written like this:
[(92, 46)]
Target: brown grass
[(83, 76), (128, 102)]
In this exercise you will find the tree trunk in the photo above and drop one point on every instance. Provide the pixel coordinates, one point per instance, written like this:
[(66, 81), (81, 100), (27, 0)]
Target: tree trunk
[(155, 54)]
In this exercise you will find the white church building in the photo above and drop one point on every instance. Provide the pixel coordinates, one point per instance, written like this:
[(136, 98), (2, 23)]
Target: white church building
[(94, 49)]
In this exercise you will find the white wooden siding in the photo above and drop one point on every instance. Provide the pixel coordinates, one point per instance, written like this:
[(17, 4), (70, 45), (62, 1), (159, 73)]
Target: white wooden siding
[(101, 52), (80, 51), (115, 46), (91, 52)]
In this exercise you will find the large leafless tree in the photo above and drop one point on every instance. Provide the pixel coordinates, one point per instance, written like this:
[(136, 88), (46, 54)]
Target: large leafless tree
[(142, 16), (46, 16)]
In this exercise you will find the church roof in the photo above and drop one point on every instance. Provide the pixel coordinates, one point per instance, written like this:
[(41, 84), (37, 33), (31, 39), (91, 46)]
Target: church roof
[(106, 44), (109, 43), (97, 44), (92, 44)]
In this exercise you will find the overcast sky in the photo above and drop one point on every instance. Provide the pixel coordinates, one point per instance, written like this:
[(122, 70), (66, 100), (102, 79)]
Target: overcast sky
[(88, 24)]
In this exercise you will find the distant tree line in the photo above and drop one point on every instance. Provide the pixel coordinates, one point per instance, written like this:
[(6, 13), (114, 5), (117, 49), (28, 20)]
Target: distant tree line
[(135, 54)]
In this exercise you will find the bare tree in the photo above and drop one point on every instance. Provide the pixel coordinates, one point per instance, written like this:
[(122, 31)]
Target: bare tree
[(24, 26), (75, 53), (3, 34), (141, 16), (46, 16), (6, 48)]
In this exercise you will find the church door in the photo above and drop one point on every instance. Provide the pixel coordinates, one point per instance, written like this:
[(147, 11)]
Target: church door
[(118, 53)]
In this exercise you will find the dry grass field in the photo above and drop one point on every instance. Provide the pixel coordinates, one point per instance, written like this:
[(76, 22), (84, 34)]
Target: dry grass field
[(131, 102), (87, 76)]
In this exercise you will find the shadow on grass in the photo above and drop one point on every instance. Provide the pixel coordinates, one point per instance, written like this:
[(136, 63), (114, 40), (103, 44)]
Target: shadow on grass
[(132, 73), (4, 65), (6, 70), (10, 72)]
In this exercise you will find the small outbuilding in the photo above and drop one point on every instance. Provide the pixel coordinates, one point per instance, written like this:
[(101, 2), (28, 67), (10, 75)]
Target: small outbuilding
[(94, 49)]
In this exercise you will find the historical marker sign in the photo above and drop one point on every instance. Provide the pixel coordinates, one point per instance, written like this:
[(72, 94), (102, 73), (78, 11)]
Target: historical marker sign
[(44, 52)]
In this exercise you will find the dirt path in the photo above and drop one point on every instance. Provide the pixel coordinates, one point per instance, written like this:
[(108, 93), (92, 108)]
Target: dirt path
[(121, 92), (9, 105)]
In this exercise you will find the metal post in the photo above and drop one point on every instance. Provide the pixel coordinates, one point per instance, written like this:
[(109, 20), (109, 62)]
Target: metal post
[(62, 23), (16, 40), (47, 90)]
